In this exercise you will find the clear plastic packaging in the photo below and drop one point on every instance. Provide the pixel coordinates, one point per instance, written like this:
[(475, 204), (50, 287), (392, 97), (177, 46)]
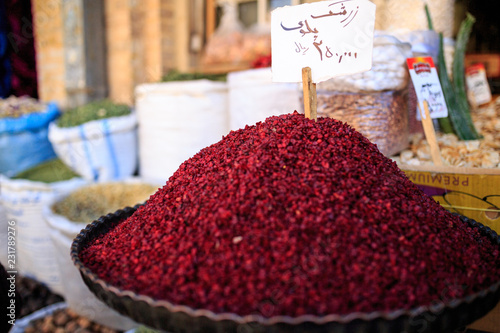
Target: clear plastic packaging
[(233, 44), (380, 116), (374, 102)]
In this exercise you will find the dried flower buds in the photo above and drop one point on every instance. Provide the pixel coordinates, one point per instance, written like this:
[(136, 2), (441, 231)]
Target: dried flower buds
[(292, 217)]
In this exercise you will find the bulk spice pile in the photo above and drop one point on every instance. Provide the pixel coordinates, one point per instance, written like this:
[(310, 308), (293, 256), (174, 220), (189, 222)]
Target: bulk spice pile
[(90, 202), (292, 217)]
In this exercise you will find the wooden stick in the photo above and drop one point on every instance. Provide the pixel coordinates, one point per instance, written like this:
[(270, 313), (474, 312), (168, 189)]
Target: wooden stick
[(430, 134), (210, 17), (310, 97)]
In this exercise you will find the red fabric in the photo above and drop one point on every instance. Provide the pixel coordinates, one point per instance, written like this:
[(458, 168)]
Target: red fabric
[(22, 48)]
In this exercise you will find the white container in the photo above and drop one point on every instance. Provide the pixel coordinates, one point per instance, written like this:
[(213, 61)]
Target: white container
[(98, 150), (176, 120), (253, 97)]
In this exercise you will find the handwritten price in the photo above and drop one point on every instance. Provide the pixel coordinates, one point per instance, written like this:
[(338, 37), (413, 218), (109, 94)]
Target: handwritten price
[(331, 37)]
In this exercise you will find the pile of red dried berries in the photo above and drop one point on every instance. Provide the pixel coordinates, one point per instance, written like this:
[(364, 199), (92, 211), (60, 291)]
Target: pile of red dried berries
[(292, 217)]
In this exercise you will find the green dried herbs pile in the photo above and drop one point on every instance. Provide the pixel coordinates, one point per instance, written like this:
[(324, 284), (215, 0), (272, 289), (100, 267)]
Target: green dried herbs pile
[(48, 172), (92, 111), (178, 76)]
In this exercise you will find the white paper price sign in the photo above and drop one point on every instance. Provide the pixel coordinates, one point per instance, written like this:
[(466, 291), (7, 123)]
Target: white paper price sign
[(333, 38)]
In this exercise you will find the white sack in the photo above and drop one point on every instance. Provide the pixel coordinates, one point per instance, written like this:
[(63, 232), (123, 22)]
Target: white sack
[(176, 120), (253, 97), (23, 201), (99, 150)]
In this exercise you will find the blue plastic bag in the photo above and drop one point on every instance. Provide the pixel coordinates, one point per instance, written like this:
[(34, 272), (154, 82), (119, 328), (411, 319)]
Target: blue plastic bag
[(24, 141)]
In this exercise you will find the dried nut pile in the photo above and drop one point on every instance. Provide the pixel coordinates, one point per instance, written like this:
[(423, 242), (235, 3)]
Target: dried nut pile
[(484, 153), (292, 217), (14, 107), (380, 116), (88, 203), (66, 320)]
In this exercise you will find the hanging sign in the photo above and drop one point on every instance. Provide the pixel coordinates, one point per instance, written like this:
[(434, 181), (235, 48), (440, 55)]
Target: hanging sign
[(427, 86), (332, 38)]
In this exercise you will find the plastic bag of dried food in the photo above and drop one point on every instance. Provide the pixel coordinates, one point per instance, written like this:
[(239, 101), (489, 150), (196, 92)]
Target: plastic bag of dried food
[(388, 72), (224, 45), (232, 44), (380, 116), (373, 102)]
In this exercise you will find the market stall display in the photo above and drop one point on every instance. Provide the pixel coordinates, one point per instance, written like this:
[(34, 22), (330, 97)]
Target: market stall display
[(469, 180), (283, 224), (483, 153), (24, 142), (290, 225), (97, 140)]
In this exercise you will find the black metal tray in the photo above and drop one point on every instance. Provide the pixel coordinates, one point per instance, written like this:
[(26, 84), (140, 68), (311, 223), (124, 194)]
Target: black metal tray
[(163, 315)]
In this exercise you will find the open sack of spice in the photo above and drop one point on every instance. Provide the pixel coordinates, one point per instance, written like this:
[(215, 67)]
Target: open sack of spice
[(66, 216), (289, 221), (97, 140)]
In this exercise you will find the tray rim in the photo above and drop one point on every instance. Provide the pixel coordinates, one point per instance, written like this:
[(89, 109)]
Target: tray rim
[(435, 308)]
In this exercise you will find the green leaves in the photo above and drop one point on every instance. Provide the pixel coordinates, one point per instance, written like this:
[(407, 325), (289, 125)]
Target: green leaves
[(459, 119)]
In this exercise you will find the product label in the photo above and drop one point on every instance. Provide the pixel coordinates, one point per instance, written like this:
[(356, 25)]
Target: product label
[(427, 86), (477, 84), (333, 38)]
